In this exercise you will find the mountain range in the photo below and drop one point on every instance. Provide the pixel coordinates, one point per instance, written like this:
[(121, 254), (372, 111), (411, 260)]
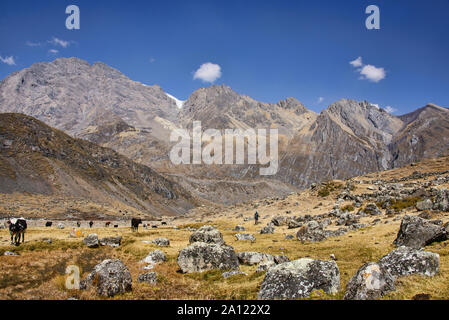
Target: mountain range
[(100, 104)]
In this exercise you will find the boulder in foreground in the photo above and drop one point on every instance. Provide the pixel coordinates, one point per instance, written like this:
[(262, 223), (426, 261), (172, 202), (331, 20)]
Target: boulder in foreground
[(298, 278), (110, 277), (200, 256)]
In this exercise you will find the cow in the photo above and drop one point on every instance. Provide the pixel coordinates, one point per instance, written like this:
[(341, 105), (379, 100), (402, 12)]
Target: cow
[(107, 224), (135, 224), (91, 223), (48, 223), (164, 223), (115, 225), (17, 228)]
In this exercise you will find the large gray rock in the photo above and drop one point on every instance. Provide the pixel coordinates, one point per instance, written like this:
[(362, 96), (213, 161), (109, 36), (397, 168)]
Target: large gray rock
[(370, 282), (311, 232), (245, 237), (200, 256), (150, 278), (239, 228), (416, 232), (207, 234), (155, 257), (442, 200), (110, 277), (424, 205), (267, 229), (372, 209), (251, 258), (91, 240), (297, 279), (279, 221), (405, 261), (162, 242), (111, 241)]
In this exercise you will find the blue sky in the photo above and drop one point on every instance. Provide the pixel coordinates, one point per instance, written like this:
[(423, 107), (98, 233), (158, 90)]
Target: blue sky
[(268, 50)]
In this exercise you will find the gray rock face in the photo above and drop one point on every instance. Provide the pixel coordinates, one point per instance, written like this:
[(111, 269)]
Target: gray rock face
[(162, 242), (311, 232), (297, 279), (265, 265), (279, 221), (405, 261), (416, 232), (370, 282), (11, 254), (207, 234), (110, 277), (251, 258), (424, 205), (155, 257), (111, 241), (442, 200), (245, 237), (91, 241), (267, 229), (150, 278), (232, 273), (61, 225), (200, 256), (372, 209)]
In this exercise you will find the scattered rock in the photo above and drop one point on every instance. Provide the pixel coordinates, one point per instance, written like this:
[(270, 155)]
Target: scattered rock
[(150, 278), (372, 209), (110, 277), (162, 242), (279, 221), (111, 241), (416, 232), (239, 228), (311, 232), (252, 258), (421, 296), (207, 234), (267, 229), (245, 237), (91, 241), (11, 254), (370, 282), (155, 257), (405, 261), (232, 273), (442, 200), (265, 265), (297, 279), (424, 205), (200, 256), (61, 225)]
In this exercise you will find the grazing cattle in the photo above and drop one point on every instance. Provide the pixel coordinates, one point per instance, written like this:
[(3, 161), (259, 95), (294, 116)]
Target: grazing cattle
[(48, 223), (91, 223), (135, 224), (154, 227), (164, 223), (17, 228), (78, 224), (107, 224), (115, 225)]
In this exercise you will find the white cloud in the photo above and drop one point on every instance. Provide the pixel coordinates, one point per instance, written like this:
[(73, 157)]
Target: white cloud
[(372, 73), (58, 42), (8, 60), (357, 62), (53, 51), (390, 109), (208, 72), (320, 99), (375, 105), (368, 72), (33, 44)]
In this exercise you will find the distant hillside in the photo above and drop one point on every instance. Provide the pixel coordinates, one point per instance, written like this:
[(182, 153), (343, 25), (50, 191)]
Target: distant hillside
[(37, 159)]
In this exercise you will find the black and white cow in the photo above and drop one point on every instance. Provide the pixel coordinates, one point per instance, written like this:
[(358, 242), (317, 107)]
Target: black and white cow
[(135, 224), (17, 228)]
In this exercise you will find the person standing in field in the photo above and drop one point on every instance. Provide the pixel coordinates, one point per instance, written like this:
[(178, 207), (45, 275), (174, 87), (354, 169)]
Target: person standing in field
[(256, 217)]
